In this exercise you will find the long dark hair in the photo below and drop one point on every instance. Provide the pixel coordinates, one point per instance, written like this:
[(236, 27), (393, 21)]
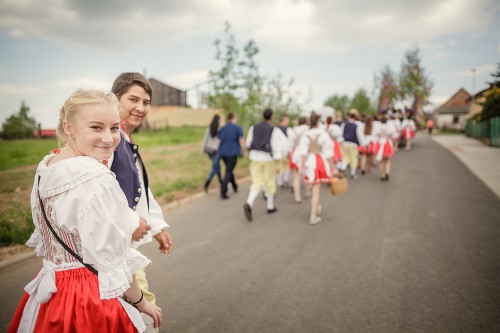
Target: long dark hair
[(214, 126), (368, 125)]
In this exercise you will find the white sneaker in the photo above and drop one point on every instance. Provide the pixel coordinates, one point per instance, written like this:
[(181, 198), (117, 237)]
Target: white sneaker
[(315, 220)]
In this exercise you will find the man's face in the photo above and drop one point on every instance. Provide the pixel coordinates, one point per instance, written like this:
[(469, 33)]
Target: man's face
[(134, 106)]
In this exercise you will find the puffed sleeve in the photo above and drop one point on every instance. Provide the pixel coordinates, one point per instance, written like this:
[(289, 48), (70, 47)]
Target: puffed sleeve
[(303, 147), (249, 139), (98, 211), (326, 145)]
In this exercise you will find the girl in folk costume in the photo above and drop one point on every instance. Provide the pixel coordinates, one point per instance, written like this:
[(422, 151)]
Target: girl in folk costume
[(316, 151), (384, 149), (83, 230), (294, 158), (396, 123), (366, 145), (408, 129), (336, 134)]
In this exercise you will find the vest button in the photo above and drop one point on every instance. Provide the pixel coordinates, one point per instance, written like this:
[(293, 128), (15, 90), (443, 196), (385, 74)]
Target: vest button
[(134, 207), (135, 147), (135, 155), (136, 199), (139, 190)]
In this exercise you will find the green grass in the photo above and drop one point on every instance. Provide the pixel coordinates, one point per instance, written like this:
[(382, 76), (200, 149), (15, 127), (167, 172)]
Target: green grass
[(15, 226), (18, 153), (170, 136)]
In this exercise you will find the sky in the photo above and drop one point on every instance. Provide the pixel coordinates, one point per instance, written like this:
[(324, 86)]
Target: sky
[(50, 48)]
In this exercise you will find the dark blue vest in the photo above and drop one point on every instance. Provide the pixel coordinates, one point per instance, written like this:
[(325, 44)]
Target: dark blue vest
[(126, 172), (350, 132), (283, 129), (262, 137)]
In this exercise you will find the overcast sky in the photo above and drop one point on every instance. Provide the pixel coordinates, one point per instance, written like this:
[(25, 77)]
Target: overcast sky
[(50, 48)]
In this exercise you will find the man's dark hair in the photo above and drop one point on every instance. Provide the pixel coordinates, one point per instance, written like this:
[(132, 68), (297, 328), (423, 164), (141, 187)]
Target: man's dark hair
[(302, 120), (230, 116), (126, 80), (268, 114)]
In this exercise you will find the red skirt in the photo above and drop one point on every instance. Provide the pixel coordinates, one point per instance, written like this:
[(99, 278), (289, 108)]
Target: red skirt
[(385, 148), (408, 133), (337, 151), (76, 307), (366, 150), (320, 173), (291, 164)]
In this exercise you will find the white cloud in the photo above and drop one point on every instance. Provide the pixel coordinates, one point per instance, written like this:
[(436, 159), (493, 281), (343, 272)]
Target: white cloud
[(290, 24), (84, 83), (188, 79)]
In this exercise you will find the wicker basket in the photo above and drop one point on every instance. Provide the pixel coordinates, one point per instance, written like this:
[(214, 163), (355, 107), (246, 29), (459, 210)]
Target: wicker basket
[(338, 185)]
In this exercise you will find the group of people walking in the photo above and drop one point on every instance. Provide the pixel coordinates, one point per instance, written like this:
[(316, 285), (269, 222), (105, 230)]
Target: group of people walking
[(92, 209), (310, 153)]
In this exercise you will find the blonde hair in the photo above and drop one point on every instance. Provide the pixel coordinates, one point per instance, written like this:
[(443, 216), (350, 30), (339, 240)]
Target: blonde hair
[(77, 99)]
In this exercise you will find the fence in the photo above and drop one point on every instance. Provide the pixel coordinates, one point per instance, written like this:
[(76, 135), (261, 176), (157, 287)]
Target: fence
[(489, 129)]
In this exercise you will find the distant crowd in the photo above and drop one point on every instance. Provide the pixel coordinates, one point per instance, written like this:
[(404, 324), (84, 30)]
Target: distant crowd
[(310, 153)]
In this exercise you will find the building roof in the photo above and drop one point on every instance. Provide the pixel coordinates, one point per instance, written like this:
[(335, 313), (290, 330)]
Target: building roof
[(456, 104)]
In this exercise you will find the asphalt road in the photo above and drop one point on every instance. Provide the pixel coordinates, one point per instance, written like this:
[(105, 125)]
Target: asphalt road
[(420, 253)]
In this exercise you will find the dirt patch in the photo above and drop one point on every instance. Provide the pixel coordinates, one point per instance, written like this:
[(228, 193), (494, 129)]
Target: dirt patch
[(11, 250)]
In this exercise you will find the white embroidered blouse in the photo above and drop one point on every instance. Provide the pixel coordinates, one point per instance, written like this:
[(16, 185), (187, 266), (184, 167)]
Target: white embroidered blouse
[(87, 208)]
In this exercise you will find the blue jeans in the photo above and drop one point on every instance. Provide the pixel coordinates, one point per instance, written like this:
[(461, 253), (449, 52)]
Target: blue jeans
[(215, 158)]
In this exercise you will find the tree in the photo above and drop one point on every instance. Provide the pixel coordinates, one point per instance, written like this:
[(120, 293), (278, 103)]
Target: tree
[(491, 106), (414, 82), (362, 103), (388, 88), (19, 126), (338, 102), (239, 87)]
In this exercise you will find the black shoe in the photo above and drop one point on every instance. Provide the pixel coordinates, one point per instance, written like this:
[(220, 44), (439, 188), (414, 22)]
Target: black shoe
[(387, 177), (206, 186), (224, 196), (235, 188), (248, 212), (383, 179), (274, 210)]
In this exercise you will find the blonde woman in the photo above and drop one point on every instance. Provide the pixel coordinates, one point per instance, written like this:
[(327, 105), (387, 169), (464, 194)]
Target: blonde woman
[(83, 230)]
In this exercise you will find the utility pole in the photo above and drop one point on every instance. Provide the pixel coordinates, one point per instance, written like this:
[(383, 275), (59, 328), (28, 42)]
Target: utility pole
[(473, 90)]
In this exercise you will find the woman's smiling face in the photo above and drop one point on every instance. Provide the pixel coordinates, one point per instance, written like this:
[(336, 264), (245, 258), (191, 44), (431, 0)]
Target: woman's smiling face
[(94, 131)]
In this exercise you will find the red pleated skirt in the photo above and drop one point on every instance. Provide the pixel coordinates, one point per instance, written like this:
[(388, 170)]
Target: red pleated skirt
[(76, 307), (387, 149), (320, 174), (366, 150), (407, 133)]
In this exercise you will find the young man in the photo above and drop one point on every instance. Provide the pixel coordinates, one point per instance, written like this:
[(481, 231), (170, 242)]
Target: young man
[(266, 144), (134, 94), (352, 134), (231, 145)]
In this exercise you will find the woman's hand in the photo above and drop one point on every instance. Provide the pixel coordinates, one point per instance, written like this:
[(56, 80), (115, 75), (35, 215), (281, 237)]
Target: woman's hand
[(141, 231), (151, 310)]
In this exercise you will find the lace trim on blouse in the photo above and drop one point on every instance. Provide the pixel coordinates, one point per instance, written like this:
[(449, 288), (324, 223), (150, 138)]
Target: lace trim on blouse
[(75, 182)]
